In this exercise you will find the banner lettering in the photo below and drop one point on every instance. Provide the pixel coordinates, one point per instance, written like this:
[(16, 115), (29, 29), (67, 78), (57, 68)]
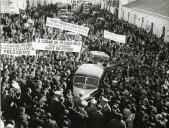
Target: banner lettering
[(18, 49), (52, 22), (9, 9), (58, 45)]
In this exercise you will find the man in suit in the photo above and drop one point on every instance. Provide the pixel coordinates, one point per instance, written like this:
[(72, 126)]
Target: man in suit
[(106, 109), (98, 118), (117, 123), (35, 121), (50, 123)]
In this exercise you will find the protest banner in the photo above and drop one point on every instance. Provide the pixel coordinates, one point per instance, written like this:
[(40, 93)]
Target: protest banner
[(115, 37), (9, 9), (58, 45), (52, 22), (18, 49)]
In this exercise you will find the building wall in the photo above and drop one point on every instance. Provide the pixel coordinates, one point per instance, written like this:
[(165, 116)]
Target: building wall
[(145, 19), (123, 2), (94, 2), (108, 5)]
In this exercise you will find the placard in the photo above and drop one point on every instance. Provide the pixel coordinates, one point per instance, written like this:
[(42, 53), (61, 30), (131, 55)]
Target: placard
[(58, 45), (9, 9), (18, 49), (115, 37), (52, 22)]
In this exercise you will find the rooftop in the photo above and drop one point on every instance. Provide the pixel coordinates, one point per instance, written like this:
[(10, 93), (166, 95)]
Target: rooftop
[(90, 70), (160, 7)]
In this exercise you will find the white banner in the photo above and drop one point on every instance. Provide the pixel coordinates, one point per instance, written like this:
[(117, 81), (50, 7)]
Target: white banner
[(115, 37), (17, 49), (21, 4), (52, 22), (58, 45), (9, 9)]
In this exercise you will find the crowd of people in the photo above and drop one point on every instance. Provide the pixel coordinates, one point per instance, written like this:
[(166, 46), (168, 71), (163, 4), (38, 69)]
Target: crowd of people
[(37, 92)]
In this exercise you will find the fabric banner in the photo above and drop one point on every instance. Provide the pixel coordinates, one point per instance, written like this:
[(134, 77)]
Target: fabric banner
[(52, 22), (17, 49), (9, 9), (115, 37), (58, 45)]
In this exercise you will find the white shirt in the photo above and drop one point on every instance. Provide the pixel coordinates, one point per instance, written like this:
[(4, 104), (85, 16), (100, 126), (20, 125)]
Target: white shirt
[(1, 124)]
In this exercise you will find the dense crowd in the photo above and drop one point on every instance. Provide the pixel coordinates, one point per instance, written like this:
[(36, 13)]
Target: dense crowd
[(37, 92)]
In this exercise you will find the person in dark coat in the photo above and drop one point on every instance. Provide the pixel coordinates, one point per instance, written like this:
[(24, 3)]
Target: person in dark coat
[(117, 123), (50, 123), (81, 117), (72, 116), (91, 110), (35, 121), (27, 98), (23, 118), (98, 118), (57, 108)]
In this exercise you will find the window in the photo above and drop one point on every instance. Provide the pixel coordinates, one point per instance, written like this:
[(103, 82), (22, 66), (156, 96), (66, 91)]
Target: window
[(163, 32), (135, 18), (115, 3), (142, 22), (86, 82), (151, 30), (79, 81), (128, 16), (122, 14), (92, 81)]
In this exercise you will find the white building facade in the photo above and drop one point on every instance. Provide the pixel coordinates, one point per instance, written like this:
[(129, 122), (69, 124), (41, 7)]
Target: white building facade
[(144, 18)]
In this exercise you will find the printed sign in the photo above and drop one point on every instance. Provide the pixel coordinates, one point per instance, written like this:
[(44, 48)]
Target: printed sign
[(58, 45), (115, 37), (17, 49), (52, 22), (9, 9)]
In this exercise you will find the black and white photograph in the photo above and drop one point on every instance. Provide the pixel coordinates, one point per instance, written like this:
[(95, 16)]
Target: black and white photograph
[(84, 63)]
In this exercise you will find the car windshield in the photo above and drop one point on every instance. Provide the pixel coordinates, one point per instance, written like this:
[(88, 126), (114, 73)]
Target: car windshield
[(91, 83), (79, 81)]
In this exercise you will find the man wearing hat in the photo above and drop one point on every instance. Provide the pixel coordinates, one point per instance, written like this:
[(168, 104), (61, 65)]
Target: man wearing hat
[(27, 98), (117, 123), (49, 123), (23, 118), (105, 106), (35, 121), (106, 109), (98, 118)]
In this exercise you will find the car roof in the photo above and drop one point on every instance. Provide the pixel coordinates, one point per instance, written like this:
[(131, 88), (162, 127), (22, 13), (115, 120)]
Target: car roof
[(100, 54), (91, 70)]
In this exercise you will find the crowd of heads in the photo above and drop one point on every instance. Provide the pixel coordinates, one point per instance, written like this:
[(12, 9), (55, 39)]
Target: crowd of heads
[(36, 92)]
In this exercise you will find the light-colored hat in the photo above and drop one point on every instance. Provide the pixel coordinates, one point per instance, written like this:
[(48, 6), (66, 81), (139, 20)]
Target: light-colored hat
[(58, 93), (105, 99), (84, 103), (115, 81), (93, 101), (168, 72), (15, 85)]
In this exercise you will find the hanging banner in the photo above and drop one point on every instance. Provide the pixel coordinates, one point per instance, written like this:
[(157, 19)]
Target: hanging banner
[(18, 49), (115, 37), (58, 45), (9, 9), (52, 22)]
